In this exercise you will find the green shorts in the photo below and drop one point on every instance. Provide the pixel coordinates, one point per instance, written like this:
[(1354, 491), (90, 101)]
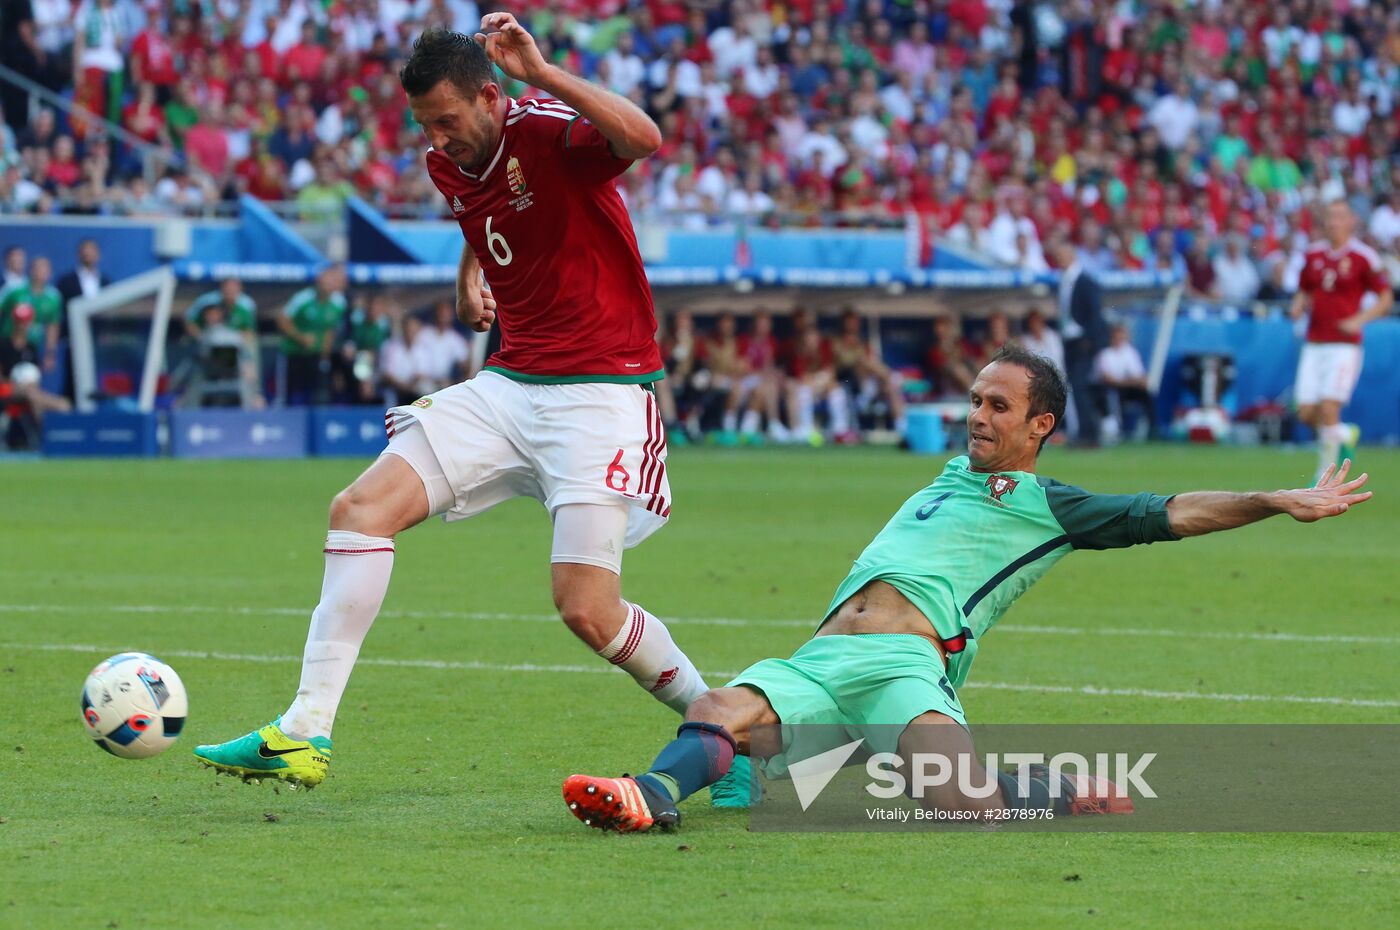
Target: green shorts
[(846, 683)]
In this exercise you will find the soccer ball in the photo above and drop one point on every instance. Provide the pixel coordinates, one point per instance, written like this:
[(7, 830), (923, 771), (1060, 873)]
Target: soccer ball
[(25, 374), (134, 705)]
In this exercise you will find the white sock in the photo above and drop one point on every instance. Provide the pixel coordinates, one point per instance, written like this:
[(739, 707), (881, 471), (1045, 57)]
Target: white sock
[(1329, 445), (357, 577), (838, 405), (731, 421), (643, 648), (751, 422), (806, 411)]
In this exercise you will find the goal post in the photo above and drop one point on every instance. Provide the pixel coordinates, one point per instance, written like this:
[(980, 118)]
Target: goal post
[(158, 283)]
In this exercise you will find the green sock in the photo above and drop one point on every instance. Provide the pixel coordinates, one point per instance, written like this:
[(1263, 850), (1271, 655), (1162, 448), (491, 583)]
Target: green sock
[(671, 786)]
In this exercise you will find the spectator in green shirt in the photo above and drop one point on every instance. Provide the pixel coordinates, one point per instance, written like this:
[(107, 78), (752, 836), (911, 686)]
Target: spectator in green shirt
[(1230, 146), (370, 327), (41, 297), (309, 323), (323, 199), (181, 113), (1273, 170)]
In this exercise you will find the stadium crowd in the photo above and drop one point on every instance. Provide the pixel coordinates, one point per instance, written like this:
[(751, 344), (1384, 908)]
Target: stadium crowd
[(1190, 137), (730, 379)]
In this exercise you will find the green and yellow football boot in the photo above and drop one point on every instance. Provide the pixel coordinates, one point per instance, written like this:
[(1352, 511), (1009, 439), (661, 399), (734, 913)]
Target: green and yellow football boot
[(270, 753)]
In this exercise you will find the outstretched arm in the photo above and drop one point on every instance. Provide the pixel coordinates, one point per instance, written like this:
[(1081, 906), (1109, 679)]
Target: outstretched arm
[(1202, 512), (631, 133)]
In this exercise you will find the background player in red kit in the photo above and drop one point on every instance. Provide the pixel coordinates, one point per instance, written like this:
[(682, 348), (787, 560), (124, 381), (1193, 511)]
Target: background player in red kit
[(561, 413), (1337, 274)]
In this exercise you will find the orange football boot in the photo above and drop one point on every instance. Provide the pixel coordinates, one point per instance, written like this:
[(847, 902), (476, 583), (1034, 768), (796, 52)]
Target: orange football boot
[(621, 804)]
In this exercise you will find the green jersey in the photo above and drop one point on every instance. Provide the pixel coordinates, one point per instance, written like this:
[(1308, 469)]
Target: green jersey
[(965, 547), (48, 308), (243, 316), (366, 333), (312, 315)]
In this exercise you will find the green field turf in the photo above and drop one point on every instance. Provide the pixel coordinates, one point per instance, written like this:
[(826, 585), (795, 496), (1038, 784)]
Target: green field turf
[(472, 704)]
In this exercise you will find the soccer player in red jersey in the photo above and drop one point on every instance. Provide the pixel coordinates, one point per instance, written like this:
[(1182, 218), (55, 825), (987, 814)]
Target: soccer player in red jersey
[(562, 412), (1338, 273)]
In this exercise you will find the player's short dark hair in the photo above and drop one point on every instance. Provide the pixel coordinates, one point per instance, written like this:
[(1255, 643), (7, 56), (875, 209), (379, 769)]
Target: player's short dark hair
[(443, 55), (1047, 388)]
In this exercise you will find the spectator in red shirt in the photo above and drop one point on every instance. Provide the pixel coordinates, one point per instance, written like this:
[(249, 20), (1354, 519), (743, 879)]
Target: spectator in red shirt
[(304, 61), (146, 118), (947, 367), (206, 143), (64, 170), (811, 379), (262, 174), (998, 335), (270, 59), (1200, 270), (153, 54), (1003, 105)]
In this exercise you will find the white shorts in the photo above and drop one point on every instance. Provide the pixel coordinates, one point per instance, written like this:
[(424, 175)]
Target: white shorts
[(594, 443), (1327, 371)]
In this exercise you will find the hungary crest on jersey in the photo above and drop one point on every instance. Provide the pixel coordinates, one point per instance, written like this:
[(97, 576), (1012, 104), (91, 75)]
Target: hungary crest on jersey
[(515, 176)]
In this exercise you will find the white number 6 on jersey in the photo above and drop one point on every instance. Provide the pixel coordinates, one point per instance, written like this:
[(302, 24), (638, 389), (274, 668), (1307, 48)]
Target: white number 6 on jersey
[(504, 256)]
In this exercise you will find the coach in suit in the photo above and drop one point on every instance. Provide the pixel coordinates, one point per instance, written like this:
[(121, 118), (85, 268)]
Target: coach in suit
[(85, 280), (1084, 332)]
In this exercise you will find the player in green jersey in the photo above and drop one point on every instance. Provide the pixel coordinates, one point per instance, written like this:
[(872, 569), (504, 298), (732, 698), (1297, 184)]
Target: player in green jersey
[(223, 324), (309, 324), (904, 626), (43, 298), (239, 311)]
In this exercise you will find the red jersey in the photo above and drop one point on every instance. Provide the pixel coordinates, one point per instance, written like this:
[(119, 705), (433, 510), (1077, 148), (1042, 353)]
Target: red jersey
[(760, 352), (157, 58), (1337, 280), (557, 247)]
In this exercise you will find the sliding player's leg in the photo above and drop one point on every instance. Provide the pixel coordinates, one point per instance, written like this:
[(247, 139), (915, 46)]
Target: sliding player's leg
[(965, 787), (958, 786), (895, 688), (718, 726), (401, 489)]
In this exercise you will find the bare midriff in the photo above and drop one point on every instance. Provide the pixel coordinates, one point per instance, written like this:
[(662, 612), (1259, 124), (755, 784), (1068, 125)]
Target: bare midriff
[(880, 608)]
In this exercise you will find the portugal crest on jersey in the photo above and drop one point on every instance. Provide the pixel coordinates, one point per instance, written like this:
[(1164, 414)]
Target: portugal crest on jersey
[(515, 177), (998, 485)]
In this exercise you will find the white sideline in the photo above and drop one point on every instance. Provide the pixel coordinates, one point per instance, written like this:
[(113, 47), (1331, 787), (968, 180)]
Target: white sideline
[(601, 669), (1014, 628)]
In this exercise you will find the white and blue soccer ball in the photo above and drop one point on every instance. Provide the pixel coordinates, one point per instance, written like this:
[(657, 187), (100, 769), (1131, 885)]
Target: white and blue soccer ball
[(134, 705)]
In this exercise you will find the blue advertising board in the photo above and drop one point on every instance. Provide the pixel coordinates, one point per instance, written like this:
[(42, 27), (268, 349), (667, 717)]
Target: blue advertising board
[(100, 434), (223, 434), (356, 432)]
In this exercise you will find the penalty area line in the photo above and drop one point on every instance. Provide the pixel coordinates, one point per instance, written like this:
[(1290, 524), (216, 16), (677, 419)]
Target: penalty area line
[(450, 665)]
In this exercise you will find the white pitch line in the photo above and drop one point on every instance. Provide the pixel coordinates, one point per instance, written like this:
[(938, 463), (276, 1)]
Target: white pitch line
[(1015, 628), (1079, 690)]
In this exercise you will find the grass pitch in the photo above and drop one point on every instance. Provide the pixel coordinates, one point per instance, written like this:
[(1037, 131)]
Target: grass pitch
[(472, 703)]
